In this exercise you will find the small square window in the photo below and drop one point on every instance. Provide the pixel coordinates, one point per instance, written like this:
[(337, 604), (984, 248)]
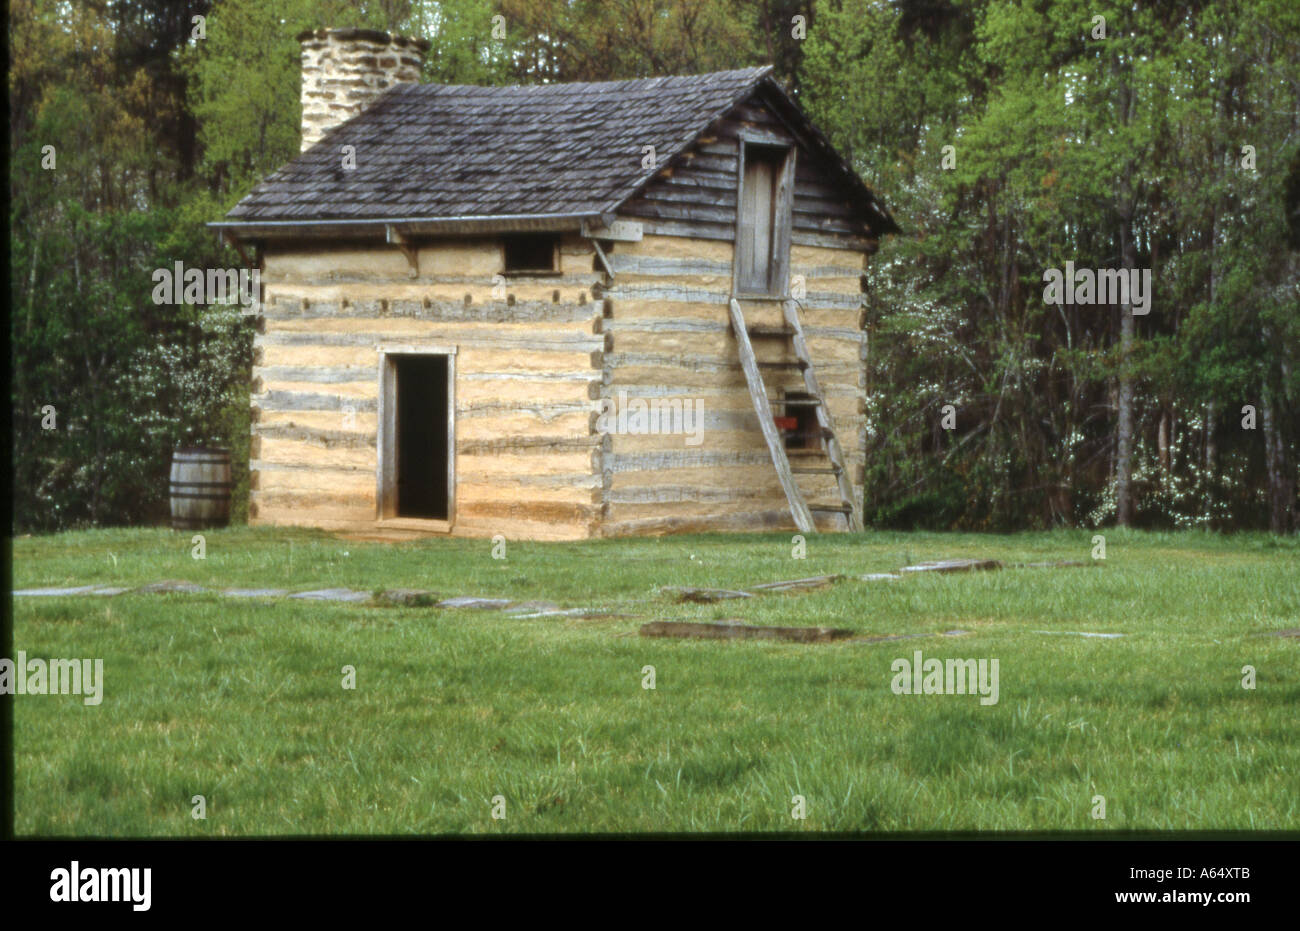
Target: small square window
[(531, 255), (800, 427)]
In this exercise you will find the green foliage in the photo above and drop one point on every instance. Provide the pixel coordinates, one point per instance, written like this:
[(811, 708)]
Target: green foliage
[(1064, 144), (461, 47), (594, 40), (244, 80), (127, 379)]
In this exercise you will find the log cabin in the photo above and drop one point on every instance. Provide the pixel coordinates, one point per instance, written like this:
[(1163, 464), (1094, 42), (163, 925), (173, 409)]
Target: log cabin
[(555, 312)]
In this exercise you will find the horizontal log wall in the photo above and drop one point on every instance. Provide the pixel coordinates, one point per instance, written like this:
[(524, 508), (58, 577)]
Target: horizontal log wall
[(528, 366), (668, 338)]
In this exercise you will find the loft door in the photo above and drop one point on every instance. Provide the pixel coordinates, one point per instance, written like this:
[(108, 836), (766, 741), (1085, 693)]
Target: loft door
[(763, 219)]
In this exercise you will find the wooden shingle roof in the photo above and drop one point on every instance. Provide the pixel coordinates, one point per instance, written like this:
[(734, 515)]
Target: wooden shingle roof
[(557, 152)]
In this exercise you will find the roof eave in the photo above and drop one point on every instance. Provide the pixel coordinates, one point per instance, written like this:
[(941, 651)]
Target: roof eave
[(410, 226)]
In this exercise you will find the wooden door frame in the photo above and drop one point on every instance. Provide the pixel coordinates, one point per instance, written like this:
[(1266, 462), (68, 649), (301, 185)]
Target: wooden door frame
[(386, 438), (779, 260)]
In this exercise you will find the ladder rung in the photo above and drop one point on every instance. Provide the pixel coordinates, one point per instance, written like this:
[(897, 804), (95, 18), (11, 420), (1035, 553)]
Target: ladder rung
[(796, 402), (759, 329), (797, 364), (805, 470), (839, 508)]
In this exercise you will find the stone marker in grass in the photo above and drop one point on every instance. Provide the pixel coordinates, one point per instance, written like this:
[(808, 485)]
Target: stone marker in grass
[(78, 590), (711, 595), (533, 608), (55, 592), (705, 595), (254, 592), (171, 585), (954, 565), (815, 582), (1079, 633), (586, 614), (406, 597), (334, 594), (735, 631), (466, 601)]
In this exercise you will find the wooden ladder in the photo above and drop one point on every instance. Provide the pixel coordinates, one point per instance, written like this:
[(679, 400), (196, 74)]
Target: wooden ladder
[(800, 509)]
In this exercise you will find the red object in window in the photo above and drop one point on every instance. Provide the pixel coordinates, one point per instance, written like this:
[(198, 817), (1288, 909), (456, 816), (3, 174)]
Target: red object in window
[(787, 423)]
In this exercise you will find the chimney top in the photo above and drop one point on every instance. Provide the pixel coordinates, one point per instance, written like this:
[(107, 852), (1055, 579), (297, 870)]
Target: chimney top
[(369, 35), (345, 70)]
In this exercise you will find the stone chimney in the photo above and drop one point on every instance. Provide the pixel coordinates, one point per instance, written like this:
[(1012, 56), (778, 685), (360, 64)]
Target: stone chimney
[(344, 70)]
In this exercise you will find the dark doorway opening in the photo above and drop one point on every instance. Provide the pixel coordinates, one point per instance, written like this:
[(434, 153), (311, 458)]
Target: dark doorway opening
[(421, 436)]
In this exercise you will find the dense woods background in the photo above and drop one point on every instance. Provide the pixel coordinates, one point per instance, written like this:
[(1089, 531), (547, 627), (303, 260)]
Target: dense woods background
[(1128, 151)]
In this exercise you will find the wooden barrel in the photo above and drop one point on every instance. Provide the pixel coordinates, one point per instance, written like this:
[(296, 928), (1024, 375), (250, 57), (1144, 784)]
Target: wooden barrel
[(200, 488)]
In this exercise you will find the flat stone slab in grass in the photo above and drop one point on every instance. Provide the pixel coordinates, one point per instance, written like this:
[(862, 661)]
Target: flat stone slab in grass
[(1079, 633), (706, 595), (407, 597), (254, 592), (817, 581), (536, 608), (171, 585), (711, 595), (879, 577), (954, 565), (1293, 633), (76, 590), (1059, 564), (584, 613), (334, 594), (465, 601), (731, 631)]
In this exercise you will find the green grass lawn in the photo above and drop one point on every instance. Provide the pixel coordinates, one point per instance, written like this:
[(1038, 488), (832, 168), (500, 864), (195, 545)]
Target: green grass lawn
[(241, 701)]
